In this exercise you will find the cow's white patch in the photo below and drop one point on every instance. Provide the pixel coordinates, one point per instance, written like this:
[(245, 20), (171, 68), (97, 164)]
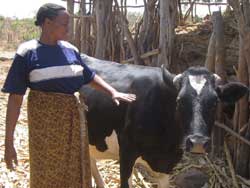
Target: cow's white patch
[(111, 153), (197, 82)]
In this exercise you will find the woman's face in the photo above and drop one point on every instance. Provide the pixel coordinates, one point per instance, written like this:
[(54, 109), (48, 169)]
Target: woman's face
[(59, 26)]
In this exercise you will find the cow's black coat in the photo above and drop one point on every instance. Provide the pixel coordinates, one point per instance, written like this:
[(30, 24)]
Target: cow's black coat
[(153, 126)]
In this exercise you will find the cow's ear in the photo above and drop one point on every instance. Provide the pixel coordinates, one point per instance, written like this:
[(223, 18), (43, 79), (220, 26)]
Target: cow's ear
[(231, 92)]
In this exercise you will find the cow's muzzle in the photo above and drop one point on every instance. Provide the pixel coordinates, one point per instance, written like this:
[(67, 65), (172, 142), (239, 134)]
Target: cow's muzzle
[(197, 144)]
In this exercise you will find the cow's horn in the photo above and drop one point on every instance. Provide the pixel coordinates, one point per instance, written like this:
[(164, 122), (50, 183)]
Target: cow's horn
[(176, 80), (217, 78), (167, 76)]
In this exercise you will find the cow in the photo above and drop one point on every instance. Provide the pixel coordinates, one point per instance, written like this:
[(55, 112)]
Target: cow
[(172, 113)]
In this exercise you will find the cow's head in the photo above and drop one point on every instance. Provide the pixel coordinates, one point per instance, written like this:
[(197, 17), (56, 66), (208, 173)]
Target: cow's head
[(198, 95)]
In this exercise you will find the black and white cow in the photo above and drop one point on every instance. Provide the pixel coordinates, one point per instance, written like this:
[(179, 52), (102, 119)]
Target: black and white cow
[(171, 112)]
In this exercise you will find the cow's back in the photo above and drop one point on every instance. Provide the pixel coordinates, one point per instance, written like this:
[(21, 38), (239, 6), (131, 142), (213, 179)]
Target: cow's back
[(103, 115)]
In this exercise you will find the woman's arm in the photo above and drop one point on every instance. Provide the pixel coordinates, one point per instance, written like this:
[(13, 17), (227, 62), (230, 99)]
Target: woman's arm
[(100, 84), (13, 111)]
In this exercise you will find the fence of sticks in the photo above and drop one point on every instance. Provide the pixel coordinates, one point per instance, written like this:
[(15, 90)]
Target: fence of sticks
[(102, 29)]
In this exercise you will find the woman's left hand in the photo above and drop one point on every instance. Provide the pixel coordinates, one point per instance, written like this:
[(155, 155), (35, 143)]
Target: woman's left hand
[(127, 97)]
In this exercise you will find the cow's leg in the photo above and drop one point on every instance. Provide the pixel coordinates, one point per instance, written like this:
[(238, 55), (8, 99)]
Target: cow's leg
[(127, 161), (95, 173)]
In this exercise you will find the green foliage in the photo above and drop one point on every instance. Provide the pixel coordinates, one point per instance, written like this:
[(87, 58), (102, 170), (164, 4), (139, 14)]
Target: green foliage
[(1, 18), (15, 31), (1, 21), (26, 29)]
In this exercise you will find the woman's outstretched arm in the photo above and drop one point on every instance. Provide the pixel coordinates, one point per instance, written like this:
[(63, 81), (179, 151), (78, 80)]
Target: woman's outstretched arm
[(100, 84)]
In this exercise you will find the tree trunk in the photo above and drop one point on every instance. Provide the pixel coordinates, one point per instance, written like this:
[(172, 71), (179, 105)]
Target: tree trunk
[(70, 8), (84, 29), (209, 8), (181, 21), (147, 34), (220, 70), (78, 34), (103, 10), (168, 10), (219, 46), (215, 63)]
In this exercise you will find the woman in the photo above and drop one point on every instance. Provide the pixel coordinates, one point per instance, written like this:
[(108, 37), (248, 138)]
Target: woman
[(53, 70)]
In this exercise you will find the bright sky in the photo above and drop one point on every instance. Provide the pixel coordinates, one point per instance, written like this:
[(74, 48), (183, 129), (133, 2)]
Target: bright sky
[(23, 8), (28, 8)]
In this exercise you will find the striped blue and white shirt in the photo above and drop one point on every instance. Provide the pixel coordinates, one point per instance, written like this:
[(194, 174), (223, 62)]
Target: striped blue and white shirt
[(50, 68)]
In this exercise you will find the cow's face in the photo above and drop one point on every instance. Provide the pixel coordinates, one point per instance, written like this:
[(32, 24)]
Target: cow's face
[(196, 102)]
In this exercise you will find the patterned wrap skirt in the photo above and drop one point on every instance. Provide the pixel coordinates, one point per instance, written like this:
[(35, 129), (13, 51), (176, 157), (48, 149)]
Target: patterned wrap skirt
[(54, 140)]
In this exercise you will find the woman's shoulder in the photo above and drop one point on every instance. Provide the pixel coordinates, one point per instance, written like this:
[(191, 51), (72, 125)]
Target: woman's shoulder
[(24, 47), (68, 45)]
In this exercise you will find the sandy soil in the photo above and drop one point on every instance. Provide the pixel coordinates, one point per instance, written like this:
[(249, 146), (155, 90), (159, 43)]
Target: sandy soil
[(19, 177)]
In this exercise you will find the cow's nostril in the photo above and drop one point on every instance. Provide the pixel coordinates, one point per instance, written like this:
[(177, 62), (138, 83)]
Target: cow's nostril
[(206, 145), (189, 144), (197, 144)]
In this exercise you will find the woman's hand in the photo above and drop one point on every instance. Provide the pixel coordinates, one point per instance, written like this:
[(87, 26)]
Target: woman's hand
[(10, 155), (127, 97), (99, 83)]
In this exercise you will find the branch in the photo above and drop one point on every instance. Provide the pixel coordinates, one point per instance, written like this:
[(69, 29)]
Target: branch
[(232, 132), (143, 56), (230, 164)]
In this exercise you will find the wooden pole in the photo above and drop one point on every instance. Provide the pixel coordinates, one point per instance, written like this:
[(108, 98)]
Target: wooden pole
[(70, 8), (168, 10)]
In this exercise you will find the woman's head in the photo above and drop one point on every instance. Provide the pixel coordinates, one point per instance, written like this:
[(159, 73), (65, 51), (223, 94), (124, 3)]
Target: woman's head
[(54, 20)]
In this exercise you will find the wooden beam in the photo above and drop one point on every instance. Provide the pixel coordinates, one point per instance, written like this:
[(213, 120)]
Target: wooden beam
[(143, 56), (200, 3), (74, 1), (83, 16)]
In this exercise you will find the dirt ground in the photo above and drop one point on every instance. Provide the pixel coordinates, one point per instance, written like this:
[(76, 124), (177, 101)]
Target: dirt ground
[(19, 177)]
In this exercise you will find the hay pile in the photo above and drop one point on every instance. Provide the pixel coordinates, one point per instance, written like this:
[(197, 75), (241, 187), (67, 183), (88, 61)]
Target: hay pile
[(219, 171)]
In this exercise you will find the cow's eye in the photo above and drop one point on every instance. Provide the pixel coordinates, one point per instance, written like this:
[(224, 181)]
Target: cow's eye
[(179, 102), (213, 103)]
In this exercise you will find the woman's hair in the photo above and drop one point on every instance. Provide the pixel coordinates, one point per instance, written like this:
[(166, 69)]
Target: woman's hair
[(48, 10)]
